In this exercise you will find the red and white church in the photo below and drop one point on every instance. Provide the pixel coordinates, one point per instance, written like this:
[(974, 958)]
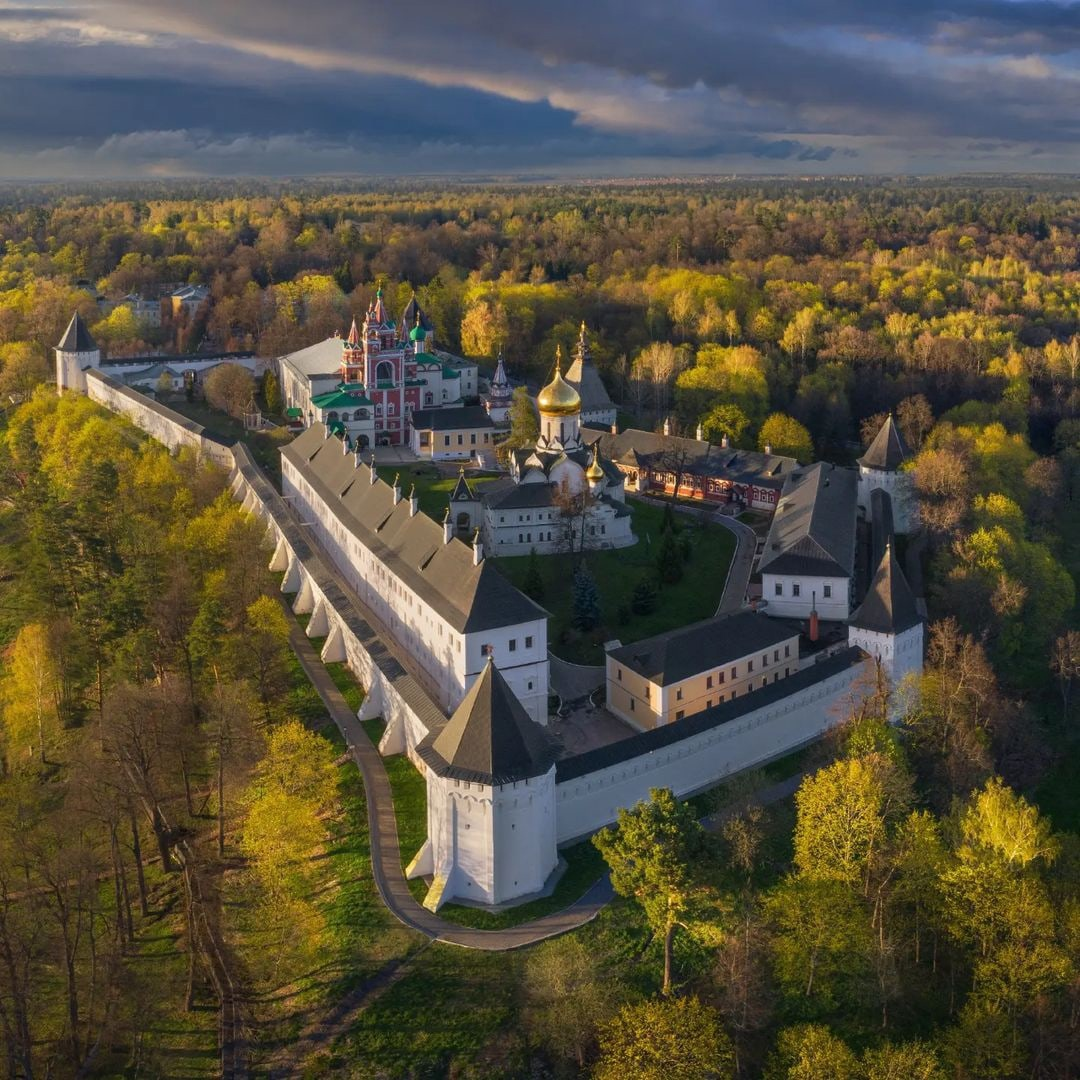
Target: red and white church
[(370, 383)]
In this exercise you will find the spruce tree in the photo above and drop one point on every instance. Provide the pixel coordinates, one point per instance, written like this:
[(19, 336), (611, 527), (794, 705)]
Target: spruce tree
[(586, 613), (533, 585), (643, 600), (272, 394), (669, 559)]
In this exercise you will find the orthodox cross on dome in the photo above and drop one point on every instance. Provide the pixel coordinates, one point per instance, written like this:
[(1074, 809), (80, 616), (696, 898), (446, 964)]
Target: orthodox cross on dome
[(584, 353)]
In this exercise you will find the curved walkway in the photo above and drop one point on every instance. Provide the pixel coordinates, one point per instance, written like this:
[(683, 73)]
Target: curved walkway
[(385, 850)]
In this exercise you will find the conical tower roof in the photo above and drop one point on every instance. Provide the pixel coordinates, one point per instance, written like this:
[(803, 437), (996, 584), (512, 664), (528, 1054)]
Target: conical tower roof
[(889, 606), (888, 451), (490, 739), (353, 340), (462, 491), (76, 337)]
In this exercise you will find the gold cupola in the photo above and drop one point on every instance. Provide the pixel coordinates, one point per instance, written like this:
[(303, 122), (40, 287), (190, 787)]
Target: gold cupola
[(558, 398), (595, 471)]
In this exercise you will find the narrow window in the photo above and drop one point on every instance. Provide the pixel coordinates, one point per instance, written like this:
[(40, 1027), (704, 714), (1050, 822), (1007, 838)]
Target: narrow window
[(679, 715), (513, 644), (795, 589), (678, 695), (826, 591), (779, 588), (528, 643), (708, 683)]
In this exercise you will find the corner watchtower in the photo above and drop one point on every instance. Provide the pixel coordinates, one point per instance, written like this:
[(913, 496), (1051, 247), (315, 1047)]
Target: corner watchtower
[(75, 354)]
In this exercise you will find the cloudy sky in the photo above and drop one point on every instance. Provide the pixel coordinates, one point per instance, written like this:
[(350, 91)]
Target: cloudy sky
[(589, 87)]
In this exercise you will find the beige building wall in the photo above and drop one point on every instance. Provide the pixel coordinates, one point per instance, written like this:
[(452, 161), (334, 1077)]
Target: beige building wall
[(647, 704)]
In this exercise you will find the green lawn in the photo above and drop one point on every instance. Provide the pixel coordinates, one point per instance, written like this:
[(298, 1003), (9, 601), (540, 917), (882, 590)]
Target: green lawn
[(617, 573), (432, 487)]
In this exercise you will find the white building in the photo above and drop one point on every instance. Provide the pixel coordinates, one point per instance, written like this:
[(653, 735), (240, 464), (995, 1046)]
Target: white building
[(564, 496), (809, 557), (440, 598), (888, 624), (490, 800), (881, 468), (499, 395)]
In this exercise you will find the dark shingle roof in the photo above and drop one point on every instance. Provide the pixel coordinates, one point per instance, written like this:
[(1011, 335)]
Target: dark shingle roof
[(889, 606), (813, 530), (523, 496), (470, 598), (585, 379), (678, 655), (454, 419), (634, 448), (490, 739), (462, 492), (76, 337), (888, 451)]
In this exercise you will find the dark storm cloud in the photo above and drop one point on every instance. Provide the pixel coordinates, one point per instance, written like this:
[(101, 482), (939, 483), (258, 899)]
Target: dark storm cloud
[(501, 84)]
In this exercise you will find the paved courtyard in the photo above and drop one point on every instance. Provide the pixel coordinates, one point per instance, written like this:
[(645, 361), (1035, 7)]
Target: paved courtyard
[(586, 728)]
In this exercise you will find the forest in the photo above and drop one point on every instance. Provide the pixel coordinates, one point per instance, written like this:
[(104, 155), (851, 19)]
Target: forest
[(178, 820)]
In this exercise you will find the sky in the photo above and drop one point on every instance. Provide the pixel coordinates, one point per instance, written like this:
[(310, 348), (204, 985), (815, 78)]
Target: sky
[(129, 88)]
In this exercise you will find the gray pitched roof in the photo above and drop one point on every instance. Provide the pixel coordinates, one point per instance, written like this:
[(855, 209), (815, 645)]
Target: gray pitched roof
[(470, 598), (888, 451), (585, 379), (889, 606), (678, 655), (76, 337), (460, 417), (322, 358), (813, 529), (634, 449), (462, 492), (490, 739), (522, 497)]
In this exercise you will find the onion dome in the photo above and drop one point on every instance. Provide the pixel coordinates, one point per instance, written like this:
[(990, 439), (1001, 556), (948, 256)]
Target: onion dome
[(595, 471), (418, 333), (559, 398)]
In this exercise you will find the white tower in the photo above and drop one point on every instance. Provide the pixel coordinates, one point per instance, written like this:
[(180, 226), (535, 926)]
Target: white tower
[(880, 466), (76, 352), (491, 800), (888, 625), (560, 413)]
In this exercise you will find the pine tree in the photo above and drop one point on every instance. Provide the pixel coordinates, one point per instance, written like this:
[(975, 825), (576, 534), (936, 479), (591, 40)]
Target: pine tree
[(669, 559), (643, 600), (586, 600), (533, 585)]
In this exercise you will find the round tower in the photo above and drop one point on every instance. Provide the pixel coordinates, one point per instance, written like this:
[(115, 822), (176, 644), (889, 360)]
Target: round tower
[(76, 353)]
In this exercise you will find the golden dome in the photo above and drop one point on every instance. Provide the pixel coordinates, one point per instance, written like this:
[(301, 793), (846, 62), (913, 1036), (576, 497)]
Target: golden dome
[(559, 398), (595, 471)]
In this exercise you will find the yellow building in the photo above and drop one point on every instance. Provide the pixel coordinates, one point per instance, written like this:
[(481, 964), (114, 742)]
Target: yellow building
[(662, 679)]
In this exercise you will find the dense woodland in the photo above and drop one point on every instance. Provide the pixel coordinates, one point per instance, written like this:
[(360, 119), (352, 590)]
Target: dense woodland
[(914, 912)]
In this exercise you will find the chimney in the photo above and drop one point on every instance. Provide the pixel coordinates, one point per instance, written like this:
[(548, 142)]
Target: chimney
[(356, 454), (326, 432), (414, 501), (724, 442), (345, 447), (397, 488), (768, 448), (477, 550), (699, 434), (372, 474), (447, 528), (667, 425), (614, 429), (813, 617)]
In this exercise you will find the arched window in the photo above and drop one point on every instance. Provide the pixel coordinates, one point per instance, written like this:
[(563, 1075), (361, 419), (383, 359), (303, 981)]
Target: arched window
[(389, 408), (362, 442), (429, 398), (331, 416), (384, 372), (360, 414), (464, 522), (378, 410)]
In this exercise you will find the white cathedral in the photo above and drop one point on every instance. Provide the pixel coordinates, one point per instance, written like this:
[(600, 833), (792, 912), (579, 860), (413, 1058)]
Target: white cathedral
[(561, 494)]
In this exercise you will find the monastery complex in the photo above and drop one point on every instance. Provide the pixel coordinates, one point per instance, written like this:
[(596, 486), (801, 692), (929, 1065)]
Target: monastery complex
[(456, 659)]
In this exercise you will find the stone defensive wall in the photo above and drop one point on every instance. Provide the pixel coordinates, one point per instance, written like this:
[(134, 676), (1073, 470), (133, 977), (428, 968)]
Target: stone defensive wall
[(703, 749), (163, 424), (590, 788)]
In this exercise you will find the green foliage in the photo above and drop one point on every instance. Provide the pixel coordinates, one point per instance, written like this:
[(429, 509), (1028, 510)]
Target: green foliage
[(665, 1040), (271, 389), (586, 599), (644, 597), (533, 585), (786, 436), (669, 558)]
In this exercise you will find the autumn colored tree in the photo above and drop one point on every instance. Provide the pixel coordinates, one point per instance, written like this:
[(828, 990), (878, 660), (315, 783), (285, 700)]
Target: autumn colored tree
[(786, 436)]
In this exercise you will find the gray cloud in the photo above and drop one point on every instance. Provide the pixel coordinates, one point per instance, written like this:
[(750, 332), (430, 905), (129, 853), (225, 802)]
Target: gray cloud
[(269, 86)]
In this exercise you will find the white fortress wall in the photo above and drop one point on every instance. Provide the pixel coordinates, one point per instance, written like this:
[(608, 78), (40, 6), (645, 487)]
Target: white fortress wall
[(161, 423), (704, 748)]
